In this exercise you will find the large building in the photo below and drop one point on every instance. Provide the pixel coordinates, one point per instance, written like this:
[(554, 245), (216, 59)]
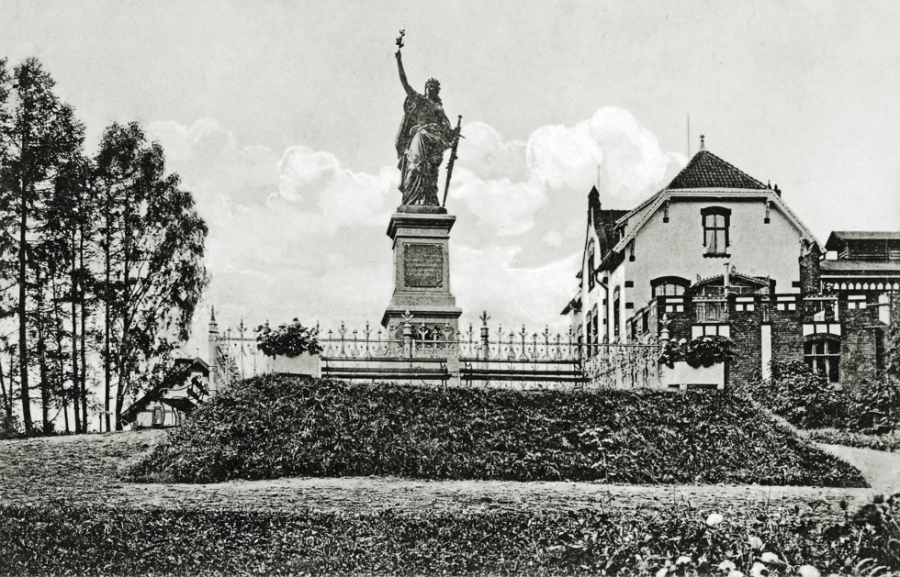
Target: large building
[(717, 252)]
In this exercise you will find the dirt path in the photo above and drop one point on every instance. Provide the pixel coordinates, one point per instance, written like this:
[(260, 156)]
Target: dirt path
[(83, 469), (880, 468)]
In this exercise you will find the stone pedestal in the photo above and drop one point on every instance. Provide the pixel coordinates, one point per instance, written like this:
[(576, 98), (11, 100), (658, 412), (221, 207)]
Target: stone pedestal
[(422, 270)]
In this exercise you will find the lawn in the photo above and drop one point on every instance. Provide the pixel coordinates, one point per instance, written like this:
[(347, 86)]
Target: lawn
[(65, 510)]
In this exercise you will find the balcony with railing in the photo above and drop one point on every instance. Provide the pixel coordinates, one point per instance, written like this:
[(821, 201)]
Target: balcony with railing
[(723, 292), (711, 311)]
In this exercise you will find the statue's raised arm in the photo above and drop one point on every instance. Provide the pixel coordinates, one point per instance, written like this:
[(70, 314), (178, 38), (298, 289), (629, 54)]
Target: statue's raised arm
[(409, 90)]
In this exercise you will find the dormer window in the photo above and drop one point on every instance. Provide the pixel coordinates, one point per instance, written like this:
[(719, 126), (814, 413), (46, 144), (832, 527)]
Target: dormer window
[(716, 221)]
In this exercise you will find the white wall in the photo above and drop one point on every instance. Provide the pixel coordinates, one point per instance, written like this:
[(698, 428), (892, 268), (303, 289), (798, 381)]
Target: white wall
[(676, 248)]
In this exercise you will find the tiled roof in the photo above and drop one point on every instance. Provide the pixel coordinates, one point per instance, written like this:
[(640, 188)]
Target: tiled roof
[(706, 170)]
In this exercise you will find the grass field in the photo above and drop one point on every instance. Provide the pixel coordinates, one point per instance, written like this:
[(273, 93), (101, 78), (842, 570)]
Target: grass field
[(65, 510)]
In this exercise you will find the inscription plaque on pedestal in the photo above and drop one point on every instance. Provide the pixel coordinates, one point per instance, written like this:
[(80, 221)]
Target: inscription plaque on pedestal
[(423, 266)]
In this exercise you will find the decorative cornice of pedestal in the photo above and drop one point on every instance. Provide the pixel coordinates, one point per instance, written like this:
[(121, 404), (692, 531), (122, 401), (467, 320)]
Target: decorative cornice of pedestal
[(420, 313), (420, 220)]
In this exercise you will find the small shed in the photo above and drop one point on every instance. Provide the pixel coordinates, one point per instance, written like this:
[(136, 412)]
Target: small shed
[(175, 397)]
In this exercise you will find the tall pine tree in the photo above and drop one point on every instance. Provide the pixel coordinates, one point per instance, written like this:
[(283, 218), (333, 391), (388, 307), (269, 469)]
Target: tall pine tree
[(39, 133)]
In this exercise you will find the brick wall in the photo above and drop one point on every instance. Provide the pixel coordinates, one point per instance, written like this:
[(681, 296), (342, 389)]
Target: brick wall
[(745, 332), (787, 334), (861, 344)]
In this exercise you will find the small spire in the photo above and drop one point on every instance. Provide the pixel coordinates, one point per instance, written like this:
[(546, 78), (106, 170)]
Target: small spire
[(212, 314), (702, 142)]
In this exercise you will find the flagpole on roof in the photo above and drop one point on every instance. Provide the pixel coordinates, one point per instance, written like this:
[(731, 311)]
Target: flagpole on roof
[(689, 134)]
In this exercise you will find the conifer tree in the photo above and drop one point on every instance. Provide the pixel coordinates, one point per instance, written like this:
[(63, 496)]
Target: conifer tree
[(38, 133)]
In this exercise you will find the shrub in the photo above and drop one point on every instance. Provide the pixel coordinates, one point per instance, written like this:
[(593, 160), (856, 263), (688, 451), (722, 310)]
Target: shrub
[(675, 540), (808, 400), (883, 442), (10, 428), (290, 340), (282, 426), (699, 352), (873, 407)]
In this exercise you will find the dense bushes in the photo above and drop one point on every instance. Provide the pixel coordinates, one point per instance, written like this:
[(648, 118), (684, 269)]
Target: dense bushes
[(279, 426), (678, 540), (884, 442), (700, 352), (290, 340), (807, 400)]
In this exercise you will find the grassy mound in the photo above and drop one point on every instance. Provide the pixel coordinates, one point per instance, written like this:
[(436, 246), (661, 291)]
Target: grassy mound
[(281, 426)]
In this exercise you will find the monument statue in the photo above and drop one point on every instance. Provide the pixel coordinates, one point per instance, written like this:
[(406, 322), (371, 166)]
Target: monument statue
[(424, 135)]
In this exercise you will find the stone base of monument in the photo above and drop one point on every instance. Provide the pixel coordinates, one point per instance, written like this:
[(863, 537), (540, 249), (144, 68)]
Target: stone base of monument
[(304, 364), (421, 236)]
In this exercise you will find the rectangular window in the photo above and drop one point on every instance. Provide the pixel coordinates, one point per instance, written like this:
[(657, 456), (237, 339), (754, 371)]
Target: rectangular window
[(824, 357), (715, 230)]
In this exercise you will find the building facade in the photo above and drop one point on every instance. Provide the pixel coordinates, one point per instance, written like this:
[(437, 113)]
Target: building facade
[(718, 252)]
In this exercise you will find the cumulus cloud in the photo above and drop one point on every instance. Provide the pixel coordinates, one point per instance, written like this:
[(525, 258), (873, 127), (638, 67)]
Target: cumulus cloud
[(342, 197), (297, 233)]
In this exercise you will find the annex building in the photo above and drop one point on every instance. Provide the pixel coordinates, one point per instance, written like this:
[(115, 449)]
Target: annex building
[(717, 252)]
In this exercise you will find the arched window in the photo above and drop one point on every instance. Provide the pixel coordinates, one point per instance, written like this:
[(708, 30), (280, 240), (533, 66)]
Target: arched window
[(823, 355), (669, 286), (615, 314), (590, 270), (716, 220)]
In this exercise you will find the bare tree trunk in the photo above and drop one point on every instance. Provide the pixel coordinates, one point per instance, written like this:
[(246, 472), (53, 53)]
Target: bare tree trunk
[(7, 397), (42, 353), (81, 250), (73, 287), (108, 325), (23, 320)]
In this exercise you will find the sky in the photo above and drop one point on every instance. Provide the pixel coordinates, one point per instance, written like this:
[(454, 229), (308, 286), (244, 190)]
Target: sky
[(280, 117)]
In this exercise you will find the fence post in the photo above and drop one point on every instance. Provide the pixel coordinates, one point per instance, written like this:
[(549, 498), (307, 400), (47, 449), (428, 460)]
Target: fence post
[(213, 346), (485, 337), (407, 337)]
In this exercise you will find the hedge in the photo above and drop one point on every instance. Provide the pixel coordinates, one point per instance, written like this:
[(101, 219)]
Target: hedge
[(280, 426), (54, 540)]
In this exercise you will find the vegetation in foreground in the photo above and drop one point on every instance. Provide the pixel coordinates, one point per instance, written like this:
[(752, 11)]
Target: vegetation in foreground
[(808, 400), (281, 426), (677, 541), (885, 442)]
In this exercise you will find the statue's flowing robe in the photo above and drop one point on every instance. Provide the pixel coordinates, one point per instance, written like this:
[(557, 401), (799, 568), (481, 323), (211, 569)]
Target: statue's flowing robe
[(421, 142)]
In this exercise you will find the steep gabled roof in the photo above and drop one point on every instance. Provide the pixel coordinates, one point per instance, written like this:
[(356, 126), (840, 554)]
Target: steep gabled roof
[(706, 170), (705, 175)]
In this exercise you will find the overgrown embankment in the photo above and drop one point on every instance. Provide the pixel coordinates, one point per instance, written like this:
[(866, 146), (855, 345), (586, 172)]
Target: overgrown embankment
[(281, 426)]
